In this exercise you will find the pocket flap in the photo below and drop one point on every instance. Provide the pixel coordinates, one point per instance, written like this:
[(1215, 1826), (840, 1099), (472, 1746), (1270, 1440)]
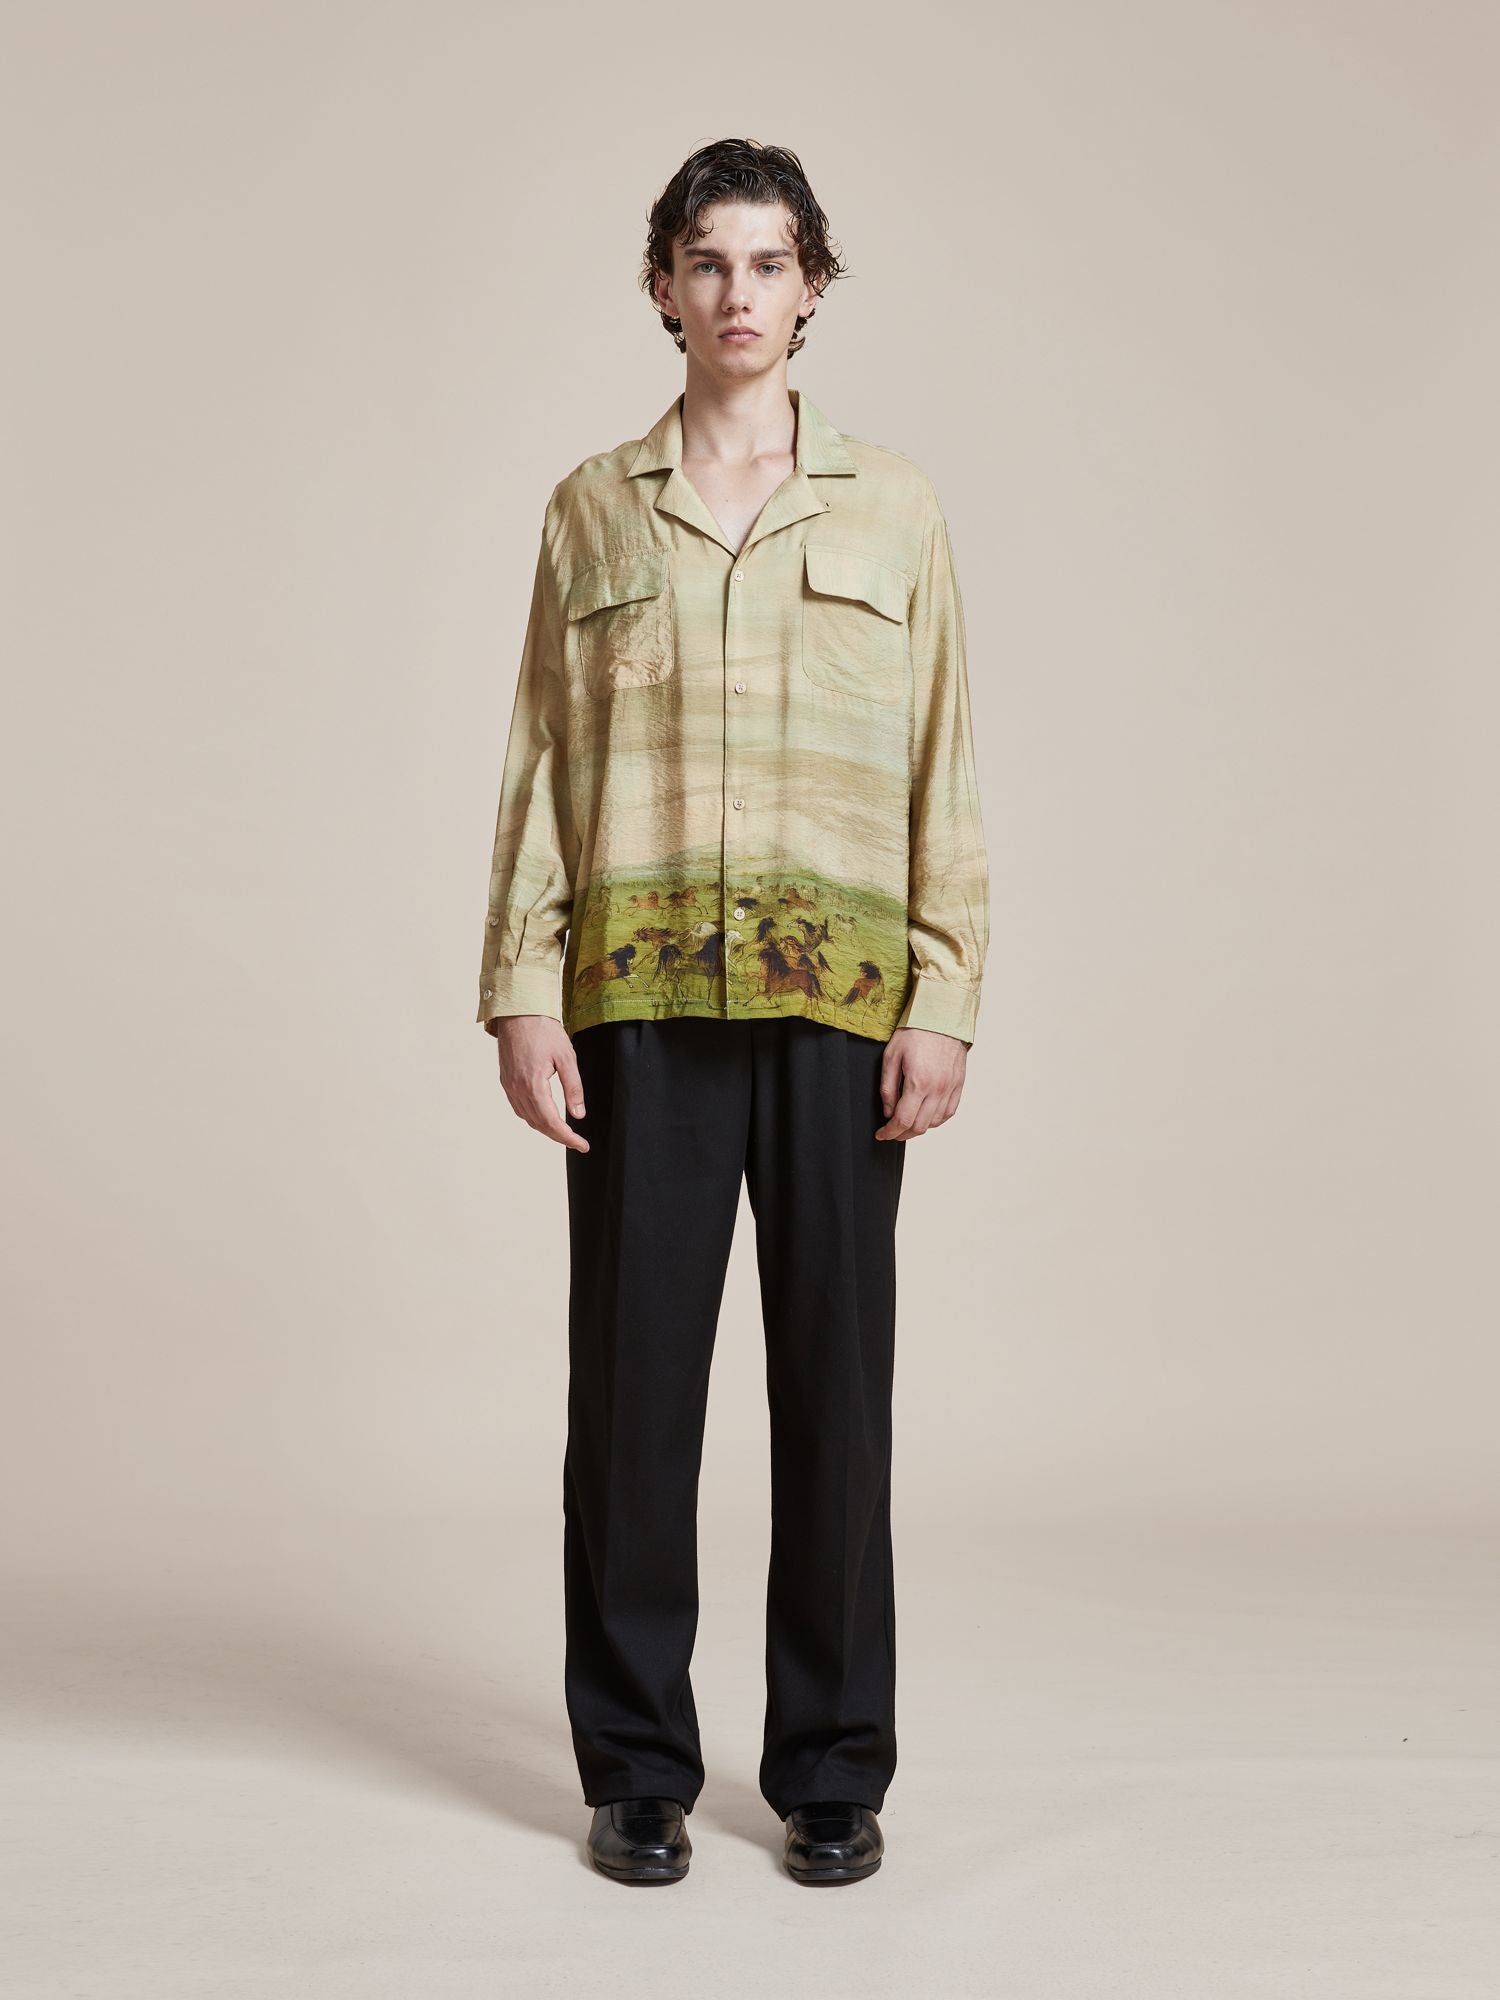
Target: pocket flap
[(846, 573), (618, 580)]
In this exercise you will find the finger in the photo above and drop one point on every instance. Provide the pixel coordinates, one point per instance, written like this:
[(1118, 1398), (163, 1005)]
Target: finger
[(890, 1081), (534, 1102), (572, 1082), (921, 1117), (551, 1121), (902, 1124), (945, 1107)]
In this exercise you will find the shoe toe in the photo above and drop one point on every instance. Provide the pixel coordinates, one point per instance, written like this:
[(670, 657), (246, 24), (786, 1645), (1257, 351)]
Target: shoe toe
[(833, 1843), (641, 1840)]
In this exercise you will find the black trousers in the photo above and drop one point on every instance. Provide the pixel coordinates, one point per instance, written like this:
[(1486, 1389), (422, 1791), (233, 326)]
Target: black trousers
[(676, 1111)]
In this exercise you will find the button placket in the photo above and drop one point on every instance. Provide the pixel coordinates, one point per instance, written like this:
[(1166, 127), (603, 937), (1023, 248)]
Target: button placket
[(737, 577)]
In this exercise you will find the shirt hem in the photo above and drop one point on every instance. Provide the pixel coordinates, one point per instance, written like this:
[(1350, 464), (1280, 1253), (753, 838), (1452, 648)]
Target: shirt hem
[(576, 1020)]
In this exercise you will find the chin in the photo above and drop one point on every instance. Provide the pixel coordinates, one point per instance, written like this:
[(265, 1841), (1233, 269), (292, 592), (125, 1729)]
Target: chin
[(740, 354)]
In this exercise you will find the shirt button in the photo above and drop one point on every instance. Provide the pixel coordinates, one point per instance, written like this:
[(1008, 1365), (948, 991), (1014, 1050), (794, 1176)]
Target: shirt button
[(739, 912), (738, 803), (739, 687), (492, 922), (739, 576)]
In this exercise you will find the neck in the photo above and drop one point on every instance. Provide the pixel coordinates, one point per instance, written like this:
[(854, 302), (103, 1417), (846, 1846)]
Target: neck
[(733, 423)]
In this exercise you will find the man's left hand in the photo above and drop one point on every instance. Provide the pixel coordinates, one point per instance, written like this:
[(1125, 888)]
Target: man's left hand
[(921, 1081)]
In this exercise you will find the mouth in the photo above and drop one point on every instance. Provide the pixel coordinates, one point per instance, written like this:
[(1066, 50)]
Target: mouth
[(737, 333)]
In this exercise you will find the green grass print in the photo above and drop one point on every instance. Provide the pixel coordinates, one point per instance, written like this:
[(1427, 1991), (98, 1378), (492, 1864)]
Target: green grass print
[(650, 942)]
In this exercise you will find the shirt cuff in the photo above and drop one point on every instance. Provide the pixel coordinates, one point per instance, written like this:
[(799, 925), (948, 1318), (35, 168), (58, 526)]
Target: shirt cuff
[(520, 989), (942, 1006)]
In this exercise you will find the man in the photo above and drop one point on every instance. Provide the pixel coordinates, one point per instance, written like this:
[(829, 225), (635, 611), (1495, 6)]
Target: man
[(739, 825)]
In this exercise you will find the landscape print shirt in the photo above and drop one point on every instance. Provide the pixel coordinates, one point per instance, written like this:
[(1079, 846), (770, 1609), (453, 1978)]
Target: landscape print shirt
[(740, 783)]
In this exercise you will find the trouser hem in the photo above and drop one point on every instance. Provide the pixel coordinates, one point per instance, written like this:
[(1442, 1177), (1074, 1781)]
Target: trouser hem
[(826, 1792), (640, 1788)]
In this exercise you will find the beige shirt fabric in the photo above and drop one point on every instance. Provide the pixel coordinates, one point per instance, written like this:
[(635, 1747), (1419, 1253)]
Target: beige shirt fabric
[(741, 783)]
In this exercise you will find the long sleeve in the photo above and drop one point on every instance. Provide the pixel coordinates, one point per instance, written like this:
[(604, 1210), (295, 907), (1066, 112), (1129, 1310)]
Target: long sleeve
[(948, 904), (536, 849)]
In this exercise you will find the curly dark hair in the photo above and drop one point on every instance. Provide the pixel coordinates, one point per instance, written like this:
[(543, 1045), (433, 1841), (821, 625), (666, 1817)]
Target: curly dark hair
[(738, 170)]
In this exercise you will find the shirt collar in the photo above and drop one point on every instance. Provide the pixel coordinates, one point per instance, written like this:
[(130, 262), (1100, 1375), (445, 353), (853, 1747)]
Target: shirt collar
[(820, 448)]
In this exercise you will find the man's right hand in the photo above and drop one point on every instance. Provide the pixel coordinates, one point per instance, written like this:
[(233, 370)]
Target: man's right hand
[(533, 1049)]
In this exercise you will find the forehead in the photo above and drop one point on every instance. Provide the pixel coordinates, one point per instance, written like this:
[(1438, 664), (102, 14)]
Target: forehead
[(743, 225)]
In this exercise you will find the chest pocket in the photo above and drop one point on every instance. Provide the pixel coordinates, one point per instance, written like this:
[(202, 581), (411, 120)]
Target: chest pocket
[(620, 622), (854, 633)]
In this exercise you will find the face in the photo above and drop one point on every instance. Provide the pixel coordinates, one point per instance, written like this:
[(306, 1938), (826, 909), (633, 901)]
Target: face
[(738, 290)]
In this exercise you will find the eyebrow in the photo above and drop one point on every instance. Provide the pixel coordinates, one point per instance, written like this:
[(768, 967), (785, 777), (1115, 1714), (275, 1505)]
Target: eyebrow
[(756, 256)]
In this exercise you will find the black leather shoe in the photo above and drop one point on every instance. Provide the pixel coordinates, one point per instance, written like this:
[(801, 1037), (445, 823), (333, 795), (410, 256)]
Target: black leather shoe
[(640, 1840), (832, 1843)]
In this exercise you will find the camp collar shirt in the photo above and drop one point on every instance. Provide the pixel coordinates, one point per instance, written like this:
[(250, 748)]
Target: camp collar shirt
[(740, 782)]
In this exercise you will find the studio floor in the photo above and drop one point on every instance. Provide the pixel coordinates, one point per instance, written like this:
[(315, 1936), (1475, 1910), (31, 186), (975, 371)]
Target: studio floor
[(330, 1759)]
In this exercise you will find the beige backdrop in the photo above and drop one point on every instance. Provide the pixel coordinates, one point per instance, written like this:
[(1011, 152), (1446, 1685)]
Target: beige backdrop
[(308, 307)]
